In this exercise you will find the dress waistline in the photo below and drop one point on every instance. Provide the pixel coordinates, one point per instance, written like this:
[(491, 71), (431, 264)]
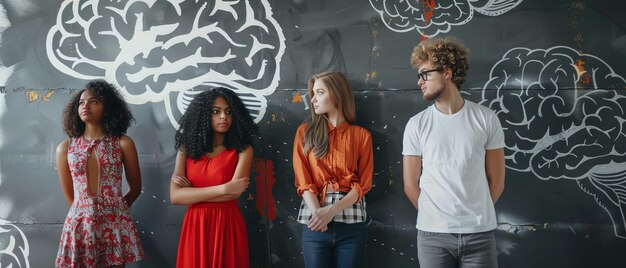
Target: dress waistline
[(231, 203)]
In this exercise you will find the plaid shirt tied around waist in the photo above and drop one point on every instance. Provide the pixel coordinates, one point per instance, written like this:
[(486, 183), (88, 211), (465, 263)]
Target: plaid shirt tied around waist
[(353, 214)]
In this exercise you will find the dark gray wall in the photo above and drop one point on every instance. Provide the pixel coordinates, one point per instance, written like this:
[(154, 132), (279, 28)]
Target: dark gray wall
[(552, 70)]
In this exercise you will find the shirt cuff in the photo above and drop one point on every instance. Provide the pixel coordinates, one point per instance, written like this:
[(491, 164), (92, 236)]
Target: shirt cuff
[(356, 186), (311, 187)]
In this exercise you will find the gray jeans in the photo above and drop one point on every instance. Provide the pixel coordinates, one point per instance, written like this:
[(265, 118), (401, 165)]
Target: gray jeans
[(439, 250)]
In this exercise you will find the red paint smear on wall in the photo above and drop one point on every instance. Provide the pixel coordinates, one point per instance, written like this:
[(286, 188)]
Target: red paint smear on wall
[(265, 202), (429, 7), (585, 77)]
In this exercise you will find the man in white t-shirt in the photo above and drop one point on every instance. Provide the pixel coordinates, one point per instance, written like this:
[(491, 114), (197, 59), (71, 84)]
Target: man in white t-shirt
[(453, 163)]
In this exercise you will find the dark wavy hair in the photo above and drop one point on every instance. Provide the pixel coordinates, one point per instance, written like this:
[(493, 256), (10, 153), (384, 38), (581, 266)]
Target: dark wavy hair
[(116, 116), (195, 134)]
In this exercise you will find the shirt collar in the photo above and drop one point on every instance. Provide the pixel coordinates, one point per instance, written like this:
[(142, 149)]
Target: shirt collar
[(341, 127)]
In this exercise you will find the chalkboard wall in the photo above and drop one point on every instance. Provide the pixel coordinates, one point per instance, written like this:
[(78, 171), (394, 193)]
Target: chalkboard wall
[(554, 72)]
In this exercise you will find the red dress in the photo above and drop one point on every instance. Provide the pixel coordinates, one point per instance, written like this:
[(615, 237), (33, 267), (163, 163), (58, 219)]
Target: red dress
[(213, 233), (98, 230)]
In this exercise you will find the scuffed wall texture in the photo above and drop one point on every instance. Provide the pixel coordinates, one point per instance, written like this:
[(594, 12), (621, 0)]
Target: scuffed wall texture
[(554, 71)]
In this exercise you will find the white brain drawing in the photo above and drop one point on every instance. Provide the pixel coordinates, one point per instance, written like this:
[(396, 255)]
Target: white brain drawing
[(14, 248), (565, 118), (551, 98), (431, 17), (153, 48)]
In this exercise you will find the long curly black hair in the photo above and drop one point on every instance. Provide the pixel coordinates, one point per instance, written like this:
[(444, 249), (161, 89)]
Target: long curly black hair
[(195, 134), (116, 117)]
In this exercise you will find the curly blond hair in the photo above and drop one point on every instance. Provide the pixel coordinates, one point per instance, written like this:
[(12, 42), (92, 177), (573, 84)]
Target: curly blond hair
[(445, 52)]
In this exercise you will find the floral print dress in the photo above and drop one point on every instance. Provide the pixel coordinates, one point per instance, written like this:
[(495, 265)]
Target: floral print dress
[(98, 230)]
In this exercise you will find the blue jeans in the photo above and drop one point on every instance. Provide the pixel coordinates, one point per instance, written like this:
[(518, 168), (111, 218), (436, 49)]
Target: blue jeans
[(341, 246), (456, 250)]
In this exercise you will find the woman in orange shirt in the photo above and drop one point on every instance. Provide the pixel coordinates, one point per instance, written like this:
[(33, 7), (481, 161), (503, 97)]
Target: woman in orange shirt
[(333, 166)]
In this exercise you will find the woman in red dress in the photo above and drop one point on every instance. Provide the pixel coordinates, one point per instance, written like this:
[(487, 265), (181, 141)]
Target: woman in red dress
[(214, 144)]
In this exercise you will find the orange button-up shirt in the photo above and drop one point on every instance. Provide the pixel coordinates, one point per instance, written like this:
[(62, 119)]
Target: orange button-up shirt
[(348, 163)]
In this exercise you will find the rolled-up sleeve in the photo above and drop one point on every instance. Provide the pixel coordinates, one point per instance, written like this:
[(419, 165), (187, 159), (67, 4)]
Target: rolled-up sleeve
[(365, 170), (301, 167)]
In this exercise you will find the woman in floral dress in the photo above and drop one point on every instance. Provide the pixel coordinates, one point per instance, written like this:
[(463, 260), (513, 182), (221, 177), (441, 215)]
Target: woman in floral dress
[(98, 230)]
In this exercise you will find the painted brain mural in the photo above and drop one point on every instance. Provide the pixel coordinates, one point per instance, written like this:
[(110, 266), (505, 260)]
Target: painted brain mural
[(14, 249), (431, 17), (566, 119), (171, 50)]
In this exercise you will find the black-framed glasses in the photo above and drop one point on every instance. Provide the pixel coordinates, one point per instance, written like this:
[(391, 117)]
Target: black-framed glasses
[(424, 74)]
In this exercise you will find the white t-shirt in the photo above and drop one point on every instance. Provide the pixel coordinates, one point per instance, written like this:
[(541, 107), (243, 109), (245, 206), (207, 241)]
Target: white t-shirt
[(454, 195)]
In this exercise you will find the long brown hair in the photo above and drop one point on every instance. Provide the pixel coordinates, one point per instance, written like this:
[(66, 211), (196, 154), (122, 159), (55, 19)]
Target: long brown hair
[(316, 134)]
